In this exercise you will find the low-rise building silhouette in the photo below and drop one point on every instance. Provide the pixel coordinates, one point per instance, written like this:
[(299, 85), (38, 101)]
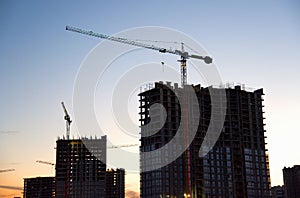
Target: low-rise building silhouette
[(277, 192), (115, 183), (291, 178), (39, 187)]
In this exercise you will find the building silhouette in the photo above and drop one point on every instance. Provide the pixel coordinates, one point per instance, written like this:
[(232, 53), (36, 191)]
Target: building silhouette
[(80, 167), (277, 192), (291, 178), (115, 183), (237, 166), (39, 187)]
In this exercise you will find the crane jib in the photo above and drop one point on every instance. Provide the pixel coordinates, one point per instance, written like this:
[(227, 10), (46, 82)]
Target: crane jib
[(182, 53)]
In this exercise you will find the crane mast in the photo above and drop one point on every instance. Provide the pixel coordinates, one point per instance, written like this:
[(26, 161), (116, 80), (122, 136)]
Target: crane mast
[(68, 120), (182, 53)]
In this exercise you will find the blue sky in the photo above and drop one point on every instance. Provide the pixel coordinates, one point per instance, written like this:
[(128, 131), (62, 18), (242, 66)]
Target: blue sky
[(253, 42)]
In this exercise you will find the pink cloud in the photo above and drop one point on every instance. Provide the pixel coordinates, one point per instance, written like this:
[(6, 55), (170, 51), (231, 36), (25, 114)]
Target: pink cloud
[(132, 194)]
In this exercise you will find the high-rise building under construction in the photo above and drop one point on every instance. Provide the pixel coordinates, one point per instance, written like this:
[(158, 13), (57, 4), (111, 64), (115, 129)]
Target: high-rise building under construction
[(236, 166), (80, 167)]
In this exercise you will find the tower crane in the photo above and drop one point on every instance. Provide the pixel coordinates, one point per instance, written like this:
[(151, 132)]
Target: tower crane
[(68, 120), (184, 55)]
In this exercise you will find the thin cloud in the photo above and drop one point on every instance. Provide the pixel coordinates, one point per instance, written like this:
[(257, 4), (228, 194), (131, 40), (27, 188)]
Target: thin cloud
[(11, 163), (132, 194), (10, 195), (15, 163), (12, 187), (9, 132)]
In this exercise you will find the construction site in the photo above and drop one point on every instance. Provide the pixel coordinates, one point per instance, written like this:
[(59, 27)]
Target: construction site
[(80, 170), (236, 166)]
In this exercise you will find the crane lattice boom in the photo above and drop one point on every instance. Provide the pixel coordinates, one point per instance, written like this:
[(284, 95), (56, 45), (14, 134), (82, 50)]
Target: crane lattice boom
[(182, 53), (68, 120)]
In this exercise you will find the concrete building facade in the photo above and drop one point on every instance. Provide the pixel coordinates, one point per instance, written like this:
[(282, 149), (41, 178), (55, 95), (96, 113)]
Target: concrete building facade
[(80, 167), (291, 178), (237, 166), (39, 187), (277, 192), (115, 183)]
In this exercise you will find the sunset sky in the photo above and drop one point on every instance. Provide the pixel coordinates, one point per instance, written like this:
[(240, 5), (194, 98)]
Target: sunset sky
[(256, 43)]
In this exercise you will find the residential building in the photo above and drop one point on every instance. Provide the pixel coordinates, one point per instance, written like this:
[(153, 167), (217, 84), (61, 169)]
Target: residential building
[(80, 167), (39, 187), (237, 165), (277, 192), (291, 178), (115, 183)]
